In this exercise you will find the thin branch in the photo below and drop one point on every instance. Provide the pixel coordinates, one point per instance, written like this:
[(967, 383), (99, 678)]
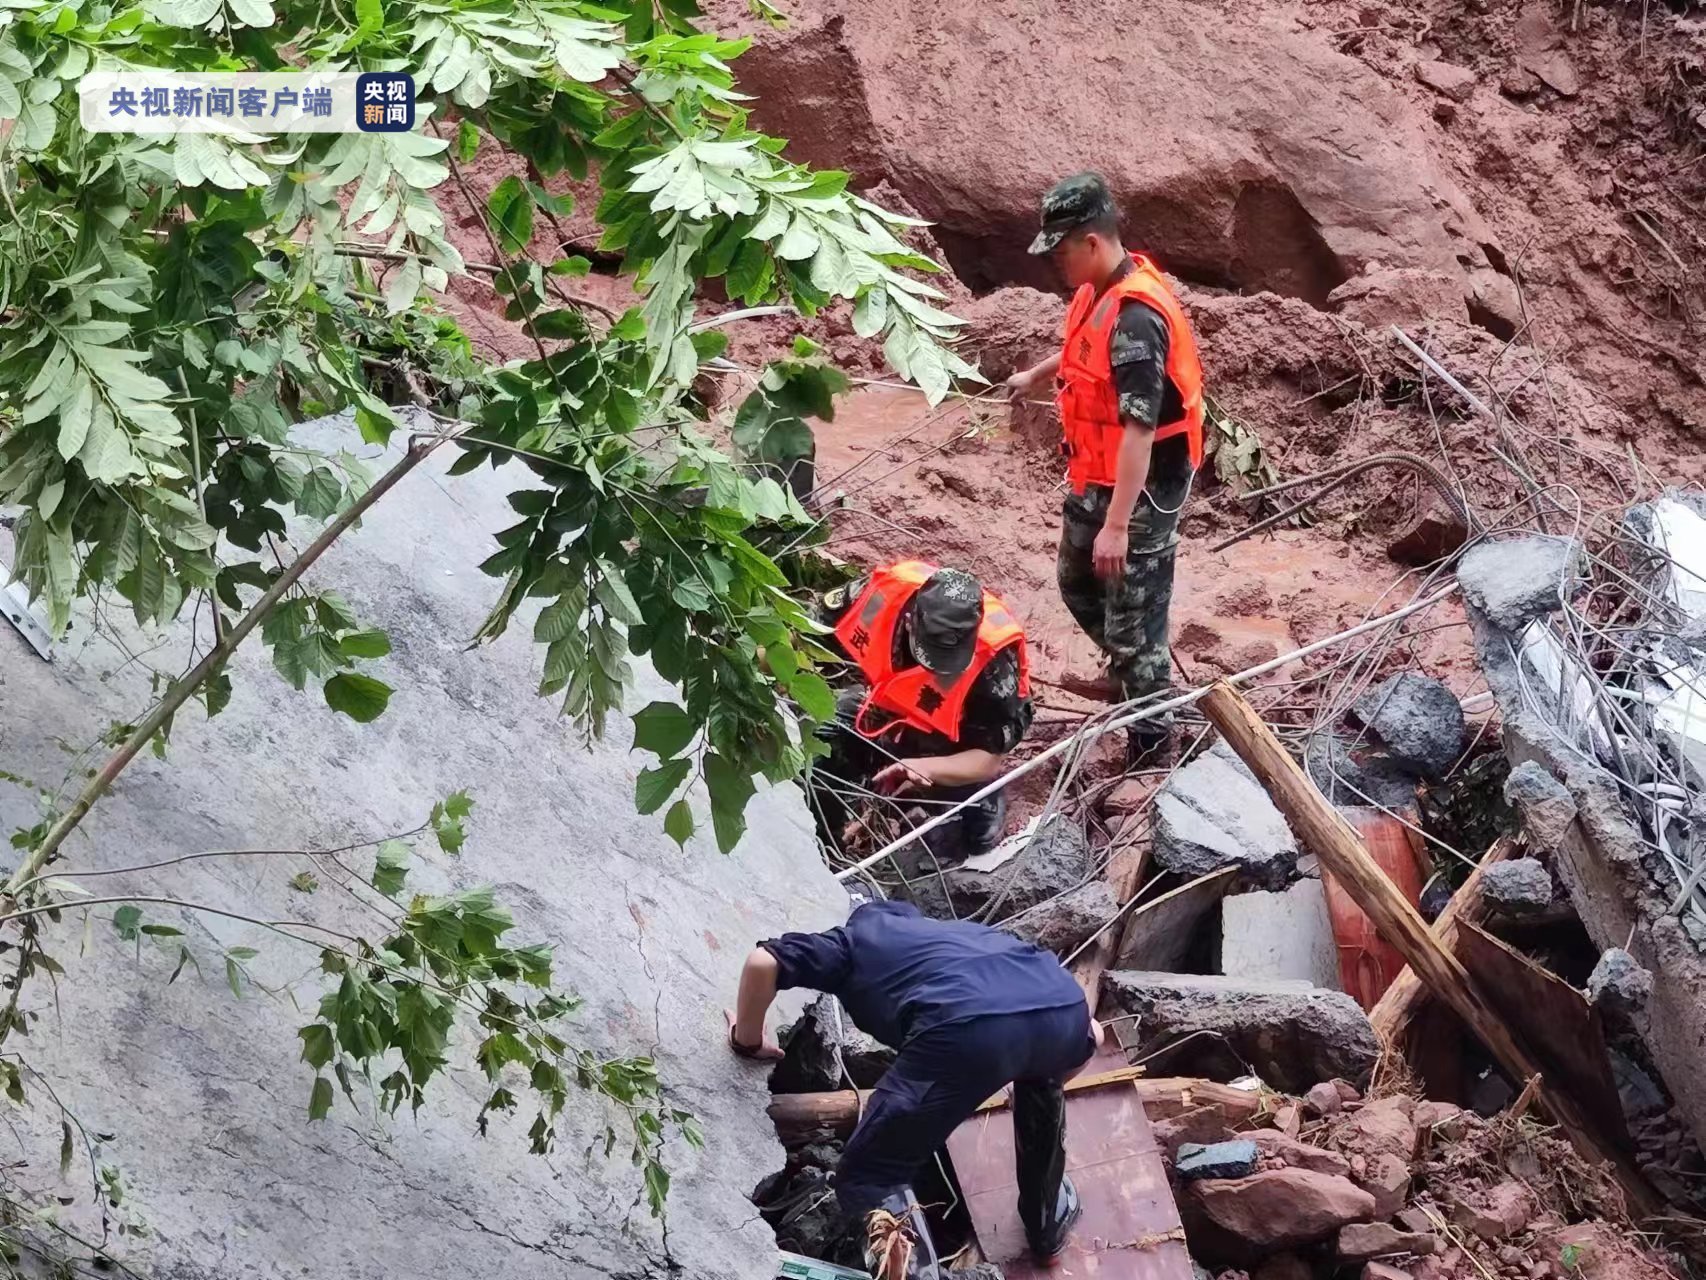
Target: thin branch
[(183, 690), (481, 268), (277, 926)]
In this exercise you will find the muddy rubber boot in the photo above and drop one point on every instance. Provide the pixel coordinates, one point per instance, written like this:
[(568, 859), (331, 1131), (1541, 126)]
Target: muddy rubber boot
[(1149, 749), (1046, 1250), (897, 1241), (1100, 687)]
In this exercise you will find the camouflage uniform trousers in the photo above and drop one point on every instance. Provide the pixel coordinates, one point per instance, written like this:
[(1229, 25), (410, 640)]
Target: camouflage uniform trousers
[(1127, 618)]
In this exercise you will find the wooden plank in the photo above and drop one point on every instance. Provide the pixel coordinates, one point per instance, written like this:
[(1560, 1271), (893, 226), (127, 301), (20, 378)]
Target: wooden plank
[(1130, 1229), (1404, 1000), (1126, 872), (797, 1115), (1097, 1080), (1554, 1018), (1326, 833), (1158, 935)]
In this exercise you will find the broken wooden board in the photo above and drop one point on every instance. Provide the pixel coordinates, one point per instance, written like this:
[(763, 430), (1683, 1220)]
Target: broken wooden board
[(1130, 1229), (1126, 871), (1555, 1020), (1159, 934)]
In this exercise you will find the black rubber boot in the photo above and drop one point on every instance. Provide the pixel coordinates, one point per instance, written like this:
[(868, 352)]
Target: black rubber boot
[(1047, 1248), (897, 1241), (1147, 748)]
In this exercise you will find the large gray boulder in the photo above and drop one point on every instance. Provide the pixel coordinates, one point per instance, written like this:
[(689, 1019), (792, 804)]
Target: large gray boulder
[(1515, 581), (1520, 886), (1213, 814), (1063, 924), (1291, 1034), (204, 1095), (1419, 720)]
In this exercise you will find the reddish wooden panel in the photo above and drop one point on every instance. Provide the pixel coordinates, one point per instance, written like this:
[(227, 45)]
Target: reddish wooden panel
[(1130, 1229), (1368, 963)]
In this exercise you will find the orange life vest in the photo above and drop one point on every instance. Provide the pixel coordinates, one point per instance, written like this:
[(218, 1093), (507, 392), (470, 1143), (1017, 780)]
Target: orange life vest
[(914, 695), (1085, 392)]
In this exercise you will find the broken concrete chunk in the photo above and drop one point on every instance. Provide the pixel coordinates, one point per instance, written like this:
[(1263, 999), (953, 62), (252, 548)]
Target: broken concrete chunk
[(1213, 814), (1280, 935), (1216, 1160), (1063, 924), (1352, 772), (1618, 984), (1289, 1033), (1455, 82), (1546, 806), (1279, 1208), (1419, 721), (1518, 580), (809, 1053), (1520, 886), (1363, 1240), (1049, 862)]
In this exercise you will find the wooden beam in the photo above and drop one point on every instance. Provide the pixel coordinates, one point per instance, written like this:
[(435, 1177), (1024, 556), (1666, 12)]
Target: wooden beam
[(1320, 827), (1405, 999), (1125, 876), (798, 1115)]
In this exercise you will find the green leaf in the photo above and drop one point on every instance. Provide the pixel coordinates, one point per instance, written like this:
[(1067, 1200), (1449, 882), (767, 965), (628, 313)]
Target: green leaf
[(814, 695), (391, 867), (447, 820), (573, 266), (364, 644), (375, 427), (654, 786), (127, 920), (730, 787), (65, 1148), (467, 136), (511, 208), (664, 728), (321, 494), (361, 698), (317, 1044), (234, 976), (678, 822), (320, 1100), (251, 13)]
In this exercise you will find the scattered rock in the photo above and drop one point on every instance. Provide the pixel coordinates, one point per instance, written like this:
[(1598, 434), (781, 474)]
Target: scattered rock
[(1419, 720), (809, 1063), (1455, 82), (1437, 532), (1290, 1034), (1213, 813), (982, 1271), (1520, 886), (1387, 1179), (1288, 1119), (1353, 772), (1199, 1125), (1275, 1145), (1445, 111), (1497, 1213), (1280, 935), (1062, 924), (1283, 1266), (1051, 861), (1494, 303), (1386, 1124), (1280, 1208), (1348, 1092), (1383, 296), (1618, 984), (1129, 797), (1518, 580), (1519, 82), (1380, 1271), (1323, 1099), (1546, 806), (1556, 70), (805, 1216), (1442, 1118), (1217, 1160), (1363, 1240)]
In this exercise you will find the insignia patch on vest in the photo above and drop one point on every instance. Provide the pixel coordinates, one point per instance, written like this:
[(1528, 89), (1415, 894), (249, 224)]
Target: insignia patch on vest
[(835, 599), (1083, 349), (860, 639), (929, 700)]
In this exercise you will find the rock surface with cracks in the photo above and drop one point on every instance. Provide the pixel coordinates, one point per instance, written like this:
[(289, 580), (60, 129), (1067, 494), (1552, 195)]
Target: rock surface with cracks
[(1518, 580), (205, 1094)]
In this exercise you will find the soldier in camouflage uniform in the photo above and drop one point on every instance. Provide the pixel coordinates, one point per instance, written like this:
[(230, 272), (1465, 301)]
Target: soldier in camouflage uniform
[(1129, 388)]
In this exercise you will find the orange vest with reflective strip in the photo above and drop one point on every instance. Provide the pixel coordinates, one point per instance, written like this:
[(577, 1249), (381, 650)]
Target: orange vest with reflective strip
[(917, 696), (1085, 393)]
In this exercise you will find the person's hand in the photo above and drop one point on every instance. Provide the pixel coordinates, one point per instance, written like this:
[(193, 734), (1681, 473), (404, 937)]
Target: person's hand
[(767, 1050), (902, 776), (1021, 384), (1109, 553)]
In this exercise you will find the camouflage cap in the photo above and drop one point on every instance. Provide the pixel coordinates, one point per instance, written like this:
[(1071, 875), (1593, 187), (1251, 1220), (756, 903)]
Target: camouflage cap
[(945, 622), (1068, 205)]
